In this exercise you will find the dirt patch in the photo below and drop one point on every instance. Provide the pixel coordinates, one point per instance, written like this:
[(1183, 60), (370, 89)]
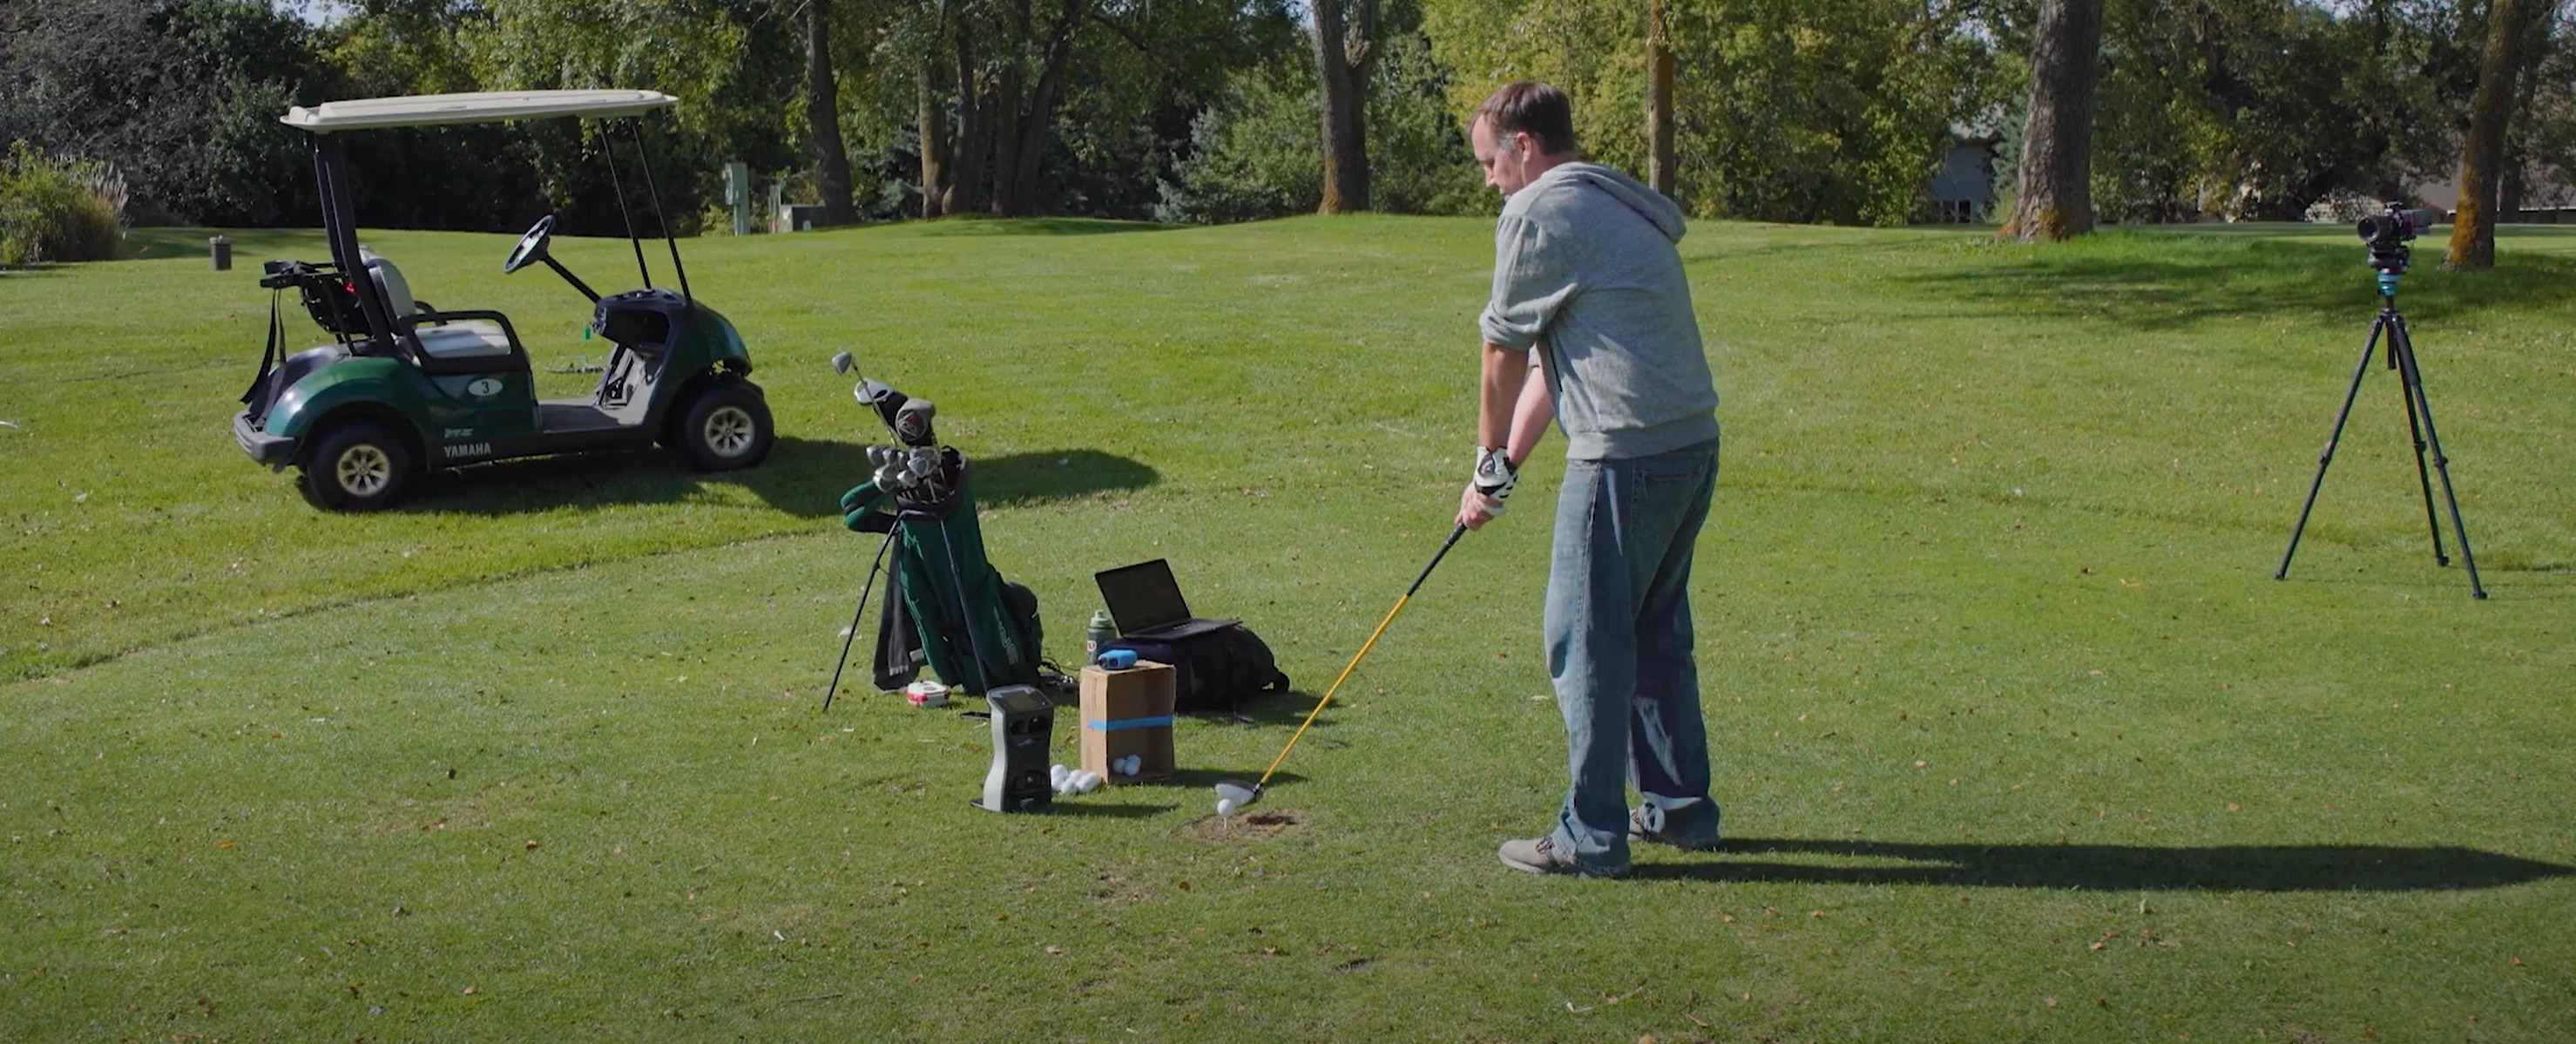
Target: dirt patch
[(1255, 826)]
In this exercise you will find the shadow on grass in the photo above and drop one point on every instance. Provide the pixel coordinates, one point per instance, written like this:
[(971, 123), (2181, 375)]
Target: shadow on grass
[(978, 226), (802, 477), (2227, 868), (1062, 807), (2168, 282), (1207, 779)]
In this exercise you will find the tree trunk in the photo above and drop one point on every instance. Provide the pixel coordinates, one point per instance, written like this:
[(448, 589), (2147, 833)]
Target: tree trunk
[(1659, 99), (1007, 84), (1037, 123), (2054, 199), (823, 113), (2482, 161), (932, 119), (972, 155), (1345, 48)]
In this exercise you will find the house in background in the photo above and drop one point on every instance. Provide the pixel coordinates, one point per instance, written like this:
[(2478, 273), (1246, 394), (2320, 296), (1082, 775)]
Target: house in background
[(1963, 190), (2543, 201)]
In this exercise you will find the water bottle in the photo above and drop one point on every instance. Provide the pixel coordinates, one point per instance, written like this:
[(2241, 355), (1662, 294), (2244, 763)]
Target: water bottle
[(1096, 637)]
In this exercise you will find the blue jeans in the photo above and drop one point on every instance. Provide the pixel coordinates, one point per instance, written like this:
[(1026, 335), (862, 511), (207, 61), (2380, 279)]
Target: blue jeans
[(1619, 650)]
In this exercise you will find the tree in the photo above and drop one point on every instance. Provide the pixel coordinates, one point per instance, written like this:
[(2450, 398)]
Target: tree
[(1659, 98), (1345, 49), (2054, 199), (823, 116), (2509, 24)]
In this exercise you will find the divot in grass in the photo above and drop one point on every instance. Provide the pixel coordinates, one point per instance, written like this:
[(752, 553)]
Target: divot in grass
[(1257, 826)]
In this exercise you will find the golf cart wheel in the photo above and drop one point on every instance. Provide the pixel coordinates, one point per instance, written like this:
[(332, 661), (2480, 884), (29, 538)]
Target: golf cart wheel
[(358, 467), (727, 427)]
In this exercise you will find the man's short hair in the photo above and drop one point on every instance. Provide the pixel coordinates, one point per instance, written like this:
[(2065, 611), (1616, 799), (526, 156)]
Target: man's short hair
[(1533, 108)]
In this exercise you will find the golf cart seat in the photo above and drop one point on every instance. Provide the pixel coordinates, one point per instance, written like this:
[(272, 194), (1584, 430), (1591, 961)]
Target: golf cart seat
[(467, 341), (448, 342), (390, 283)]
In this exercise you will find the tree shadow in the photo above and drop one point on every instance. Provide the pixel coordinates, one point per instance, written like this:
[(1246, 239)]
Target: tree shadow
[(2159, 282), (250, 245), (1039, 476), (802, 477), (2227, 868), (967, 225)]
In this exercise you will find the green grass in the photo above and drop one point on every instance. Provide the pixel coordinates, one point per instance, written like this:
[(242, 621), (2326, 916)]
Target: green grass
[(1995, 666)]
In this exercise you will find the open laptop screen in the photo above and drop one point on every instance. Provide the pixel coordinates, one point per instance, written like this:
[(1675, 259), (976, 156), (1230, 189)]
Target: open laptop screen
[(1142, 596)]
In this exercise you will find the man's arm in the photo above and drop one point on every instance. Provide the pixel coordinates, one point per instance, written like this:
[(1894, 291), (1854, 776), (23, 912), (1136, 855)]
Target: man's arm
[(1512, 411), (1530, 418), (1506, 371)]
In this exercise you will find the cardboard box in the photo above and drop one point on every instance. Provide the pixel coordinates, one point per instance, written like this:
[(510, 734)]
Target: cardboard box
[(1127, 712)]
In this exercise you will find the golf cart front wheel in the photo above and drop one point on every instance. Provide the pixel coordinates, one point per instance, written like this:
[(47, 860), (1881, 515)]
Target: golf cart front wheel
[(727, 427), (358, 467)]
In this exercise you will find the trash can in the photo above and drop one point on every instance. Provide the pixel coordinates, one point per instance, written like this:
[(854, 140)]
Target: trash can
[(221, 249)]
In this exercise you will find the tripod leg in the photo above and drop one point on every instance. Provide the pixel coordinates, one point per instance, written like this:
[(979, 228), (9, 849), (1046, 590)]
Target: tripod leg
[(2368, 349), (2404, 348), (2399, 348)]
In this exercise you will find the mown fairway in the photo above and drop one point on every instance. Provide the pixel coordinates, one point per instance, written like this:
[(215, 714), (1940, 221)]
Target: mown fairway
[(2017, 737)]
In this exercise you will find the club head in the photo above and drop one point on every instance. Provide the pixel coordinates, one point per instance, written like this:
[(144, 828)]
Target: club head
[(1239, 792), (841, 363)]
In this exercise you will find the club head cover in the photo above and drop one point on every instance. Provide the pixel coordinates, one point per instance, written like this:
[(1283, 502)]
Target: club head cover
[(912, 423)]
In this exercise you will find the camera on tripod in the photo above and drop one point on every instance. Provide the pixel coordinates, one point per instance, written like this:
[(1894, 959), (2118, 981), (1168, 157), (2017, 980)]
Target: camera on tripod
[(2388, 232)]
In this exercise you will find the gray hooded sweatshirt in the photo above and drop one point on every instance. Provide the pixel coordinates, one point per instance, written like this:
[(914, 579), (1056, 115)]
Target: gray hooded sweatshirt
[(1586, 273)]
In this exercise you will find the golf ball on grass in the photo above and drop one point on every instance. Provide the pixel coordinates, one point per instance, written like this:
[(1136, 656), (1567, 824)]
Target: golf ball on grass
[(1225, 806)]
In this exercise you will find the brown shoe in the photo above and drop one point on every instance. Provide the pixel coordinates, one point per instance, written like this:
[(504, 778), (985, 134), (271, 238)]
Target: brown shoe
[(1541, 856)]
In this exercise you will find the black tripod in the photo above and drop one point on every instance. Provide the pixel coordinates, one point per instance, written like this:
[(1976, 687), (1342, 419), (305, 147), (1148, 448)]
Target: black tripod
[(2419, 422)]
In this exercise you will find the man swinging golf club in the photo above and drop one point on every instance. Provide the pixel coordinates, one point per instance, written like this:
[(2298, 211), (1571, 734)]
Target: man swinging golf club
[(1589, 291)]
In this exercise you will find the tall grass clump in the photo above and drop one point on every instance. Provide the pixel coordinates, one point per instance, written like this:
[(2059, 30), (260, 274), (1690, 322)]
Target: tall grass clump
[(58, 209)]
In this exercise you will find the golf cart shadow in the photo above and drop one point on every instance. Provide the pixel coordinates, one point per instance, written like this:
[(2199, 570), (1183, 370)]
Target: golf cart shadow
[(802, 477), (2114, 868)]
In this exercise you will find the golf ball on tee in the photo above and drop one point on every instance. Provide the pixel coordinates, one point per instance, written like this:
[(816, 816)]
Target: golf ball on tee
[(1225, 806)]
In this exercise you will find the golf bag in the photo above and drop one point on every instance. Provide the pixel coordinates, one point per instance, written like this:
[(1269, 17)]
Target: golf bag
[(1212, 670), (944, 605)]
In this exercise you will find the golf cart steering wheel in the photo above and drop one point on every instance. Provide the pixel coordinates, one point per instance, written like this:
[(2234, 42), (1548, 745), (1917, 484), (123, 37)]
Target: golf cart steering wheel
[(531, 247)]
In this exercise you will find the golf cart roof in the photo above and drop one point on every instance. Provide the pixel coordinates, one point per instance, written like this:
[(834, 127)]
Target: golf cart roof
[(424, 110)]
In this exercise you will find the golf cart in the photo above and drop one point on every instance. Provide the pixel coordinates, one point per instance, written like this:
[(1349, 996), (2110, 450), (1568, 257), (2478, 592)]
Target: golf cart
[(405, 387)]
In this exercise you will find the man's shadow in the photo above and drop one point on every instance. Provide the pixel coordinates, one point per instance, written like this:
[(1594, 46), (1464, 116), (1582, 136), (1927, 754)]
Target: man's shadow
[(2229, 868)]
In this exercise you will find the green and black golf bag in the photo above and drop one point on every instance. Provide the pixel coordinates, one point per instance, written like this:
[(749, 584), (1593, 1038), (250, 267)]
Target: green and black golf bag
[(944, 604)]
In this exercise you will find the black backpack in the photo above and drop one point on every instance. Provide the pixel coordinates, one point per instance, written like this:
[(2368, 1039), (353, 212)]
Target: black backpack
[(1214, 670)]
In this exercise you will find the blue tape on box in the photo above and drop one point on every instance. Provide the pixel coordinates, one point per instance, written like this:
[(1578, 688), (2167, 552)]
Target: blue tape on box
[(1129, 723)]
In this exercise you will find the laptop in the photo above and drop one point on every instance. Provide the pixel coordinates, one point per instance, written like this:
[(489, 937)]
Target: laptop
[(1146, 602)]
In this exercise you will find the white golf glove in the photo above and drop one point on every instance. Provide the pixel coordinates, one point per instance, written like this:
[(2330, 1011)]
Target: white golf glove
[(1495, 475)]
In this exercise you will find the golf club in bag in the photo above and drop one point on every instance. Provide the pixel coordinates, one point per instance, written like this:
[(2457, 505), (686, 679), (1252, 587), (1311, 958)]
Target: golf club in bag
[(944, 605), (1237, 793)]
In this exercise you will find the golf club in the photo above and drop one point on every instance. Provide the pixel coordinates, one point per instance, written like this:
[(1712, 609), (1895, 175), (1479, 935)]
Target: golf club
[(1237, 794)]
